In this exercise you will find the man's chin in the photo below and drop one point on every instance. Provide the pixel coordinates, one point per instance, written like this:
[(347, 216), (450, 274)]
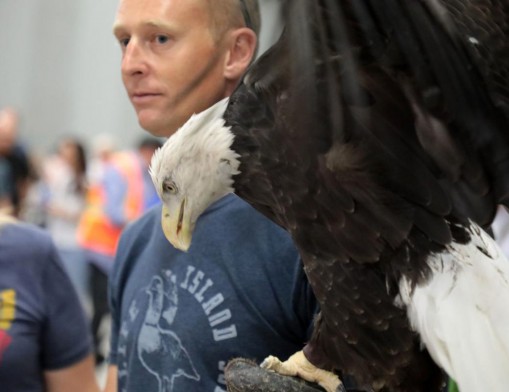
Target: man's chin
[(160, 125), (157, 132), (153, 125)]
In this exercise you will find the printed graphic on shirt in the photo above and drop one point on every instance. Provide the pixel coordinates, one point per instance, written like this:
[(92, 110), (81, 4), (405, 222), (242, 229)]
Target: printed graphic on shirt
[(5, 341), (7, 312), (158, 348)]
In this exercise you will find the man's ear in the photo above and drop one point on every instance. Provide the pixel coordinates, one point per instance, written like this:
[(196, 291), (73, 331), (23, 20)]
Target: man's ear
[(242, 49)]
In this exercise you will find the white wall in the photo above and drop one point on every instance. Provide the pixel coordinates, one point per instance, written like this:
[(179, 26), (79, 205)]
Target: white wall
[(60, 67)]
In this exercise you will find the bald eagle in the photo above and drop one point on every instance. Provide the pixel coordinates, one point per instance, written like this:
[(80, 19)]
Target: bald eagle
[(376, 133)]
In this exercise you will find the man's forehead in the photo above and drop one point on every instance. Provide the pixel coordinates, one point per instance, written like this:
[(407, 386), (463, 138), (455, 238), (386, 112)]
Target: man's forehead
[(128, 5), (156, 12)]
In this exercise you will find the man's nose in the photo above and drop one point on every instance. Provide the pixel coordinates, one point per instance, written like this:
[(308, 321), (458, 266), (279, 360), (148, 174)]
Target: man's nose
[(134, 59)]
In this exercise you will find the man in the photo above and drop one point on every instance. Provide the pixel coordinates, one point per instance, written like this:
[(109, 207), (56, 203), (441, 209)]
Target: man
[(178, 318)]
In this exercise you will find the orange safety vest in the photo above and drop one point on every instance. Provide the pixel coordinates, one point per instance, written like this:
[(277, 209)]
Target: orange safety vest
[(95, 231)]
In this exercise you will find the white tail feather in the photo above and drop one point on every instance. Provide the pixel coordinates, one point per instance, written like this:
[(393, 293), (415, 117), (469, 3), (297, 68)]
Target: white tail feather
[(462, 313)]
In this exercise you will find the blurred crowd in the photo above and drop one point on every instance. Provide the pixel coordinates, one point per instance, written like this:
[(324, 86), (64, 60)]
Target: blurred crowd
[(83, 196)]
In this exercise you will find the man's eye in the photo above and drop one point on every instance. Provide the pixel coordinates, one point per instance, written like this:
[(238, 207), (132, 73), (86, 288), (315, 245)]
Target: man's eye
[(162, 39), (124, 42)]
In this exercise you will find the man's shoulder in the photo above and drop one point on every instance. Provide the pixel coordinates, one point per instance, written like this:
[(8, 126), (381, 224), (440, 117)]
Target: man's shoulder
[(244, 214), (25, 242), (147, 223), (232, 206), (237, 221), (140, 239), (26, 234)]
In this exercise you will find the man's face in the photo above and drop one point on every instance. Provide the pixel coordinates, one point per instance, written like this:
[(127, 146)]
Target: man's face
[(171, 65)]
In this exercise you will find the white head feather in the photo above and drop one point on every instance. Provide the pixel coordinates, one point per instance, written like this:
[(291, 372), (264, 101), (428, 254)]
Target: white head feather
[(197, 162)]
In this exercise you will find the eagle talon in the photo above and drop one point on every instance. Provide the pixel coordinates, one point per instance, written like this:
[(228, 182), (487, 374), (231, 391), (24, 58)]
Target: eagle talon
[(297, 365)]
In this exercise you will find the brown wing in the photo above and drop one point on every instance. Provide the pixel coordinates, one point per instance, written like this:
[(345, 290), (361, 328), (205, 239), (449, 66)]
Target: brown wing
[(376, 135)]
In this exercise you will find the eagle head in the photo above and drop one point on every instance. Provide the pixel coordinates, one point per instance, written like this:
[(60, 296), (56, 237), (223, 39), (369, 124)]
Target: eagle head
[(192, 170)]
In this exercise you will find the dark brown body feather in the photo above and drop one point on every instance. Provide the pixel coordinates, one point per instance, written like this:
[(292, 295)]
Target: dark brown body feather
[(372, 133)]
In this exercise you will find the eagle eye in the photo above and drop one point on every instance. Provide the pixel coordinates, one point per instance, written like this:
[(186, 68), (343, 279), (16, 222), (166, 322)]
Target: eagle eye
[(169, 187)]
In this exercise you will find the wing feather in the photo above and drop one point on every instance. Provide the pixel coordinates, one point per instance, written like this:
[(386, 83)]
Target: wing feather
[(374, 140)]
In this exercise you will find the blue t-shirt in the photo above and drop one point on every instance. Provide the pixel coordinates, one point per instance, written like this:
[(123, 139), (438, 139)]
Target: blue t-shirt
[(42, 325), (178, 318)]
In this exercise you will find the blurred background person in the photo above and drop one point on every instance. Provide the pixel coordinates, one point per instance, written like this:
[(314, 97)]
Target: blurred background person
[(5, 187), (120, 192), (103, 149), (34, 203), (45, 342), (14, 157), (64, 193)]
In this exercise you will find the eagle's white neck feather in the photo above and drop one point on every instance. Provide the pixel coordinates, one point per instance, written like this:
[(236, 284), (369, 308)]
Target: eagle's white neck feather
[(199, 158), (461, 313)]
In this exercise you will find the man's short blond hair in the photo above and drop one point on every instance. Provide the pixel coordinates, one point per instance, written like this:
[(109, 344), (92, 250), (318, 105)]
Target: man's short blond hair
[(231, 14)]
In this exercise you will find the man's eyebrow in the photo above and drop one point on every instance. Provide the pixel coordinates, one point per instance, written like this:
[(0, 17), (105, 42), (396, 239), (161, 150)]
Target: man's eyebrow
[(157, 24), (119, 27)]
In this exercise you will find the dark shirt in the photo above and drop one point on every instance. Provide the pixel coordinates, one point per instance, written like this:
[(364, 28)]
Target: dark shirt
[(42, 325), (20, 172), (179, 317)]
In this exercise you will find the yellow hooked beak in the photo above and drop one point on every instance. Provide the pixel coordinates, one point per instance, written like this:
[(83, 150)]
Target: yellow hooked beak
[(176, 227)]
